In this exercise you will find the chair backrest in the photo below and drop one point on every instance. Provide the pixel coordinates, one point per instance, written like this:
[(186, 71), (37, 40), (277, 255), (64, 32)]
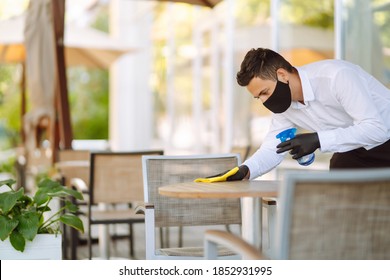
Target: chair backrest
[(70, 164), (334, 215), (164, 170), (39, 160), (242, 150), (73, 155), (116, 177)]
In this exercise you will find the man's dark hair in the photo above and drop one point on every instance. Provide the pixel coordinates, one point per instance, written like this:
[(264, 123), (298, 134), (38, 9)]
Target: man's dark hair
[(261, 63)]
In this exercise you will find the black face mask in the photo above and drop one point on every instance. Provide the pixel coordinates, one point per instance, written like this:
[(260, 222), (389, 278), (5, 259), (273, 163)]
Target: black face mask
[(280, 100)]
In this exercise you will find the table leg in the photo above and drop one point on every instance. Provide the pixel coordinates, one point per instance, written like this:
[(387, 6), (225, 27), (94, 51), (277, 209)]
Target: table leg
[(104, 242), (251, 220), (104, 238)]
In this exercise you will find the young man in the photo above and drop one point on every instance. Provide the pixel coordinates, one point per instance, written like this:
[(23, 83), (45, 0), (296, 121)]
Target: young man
[(345, 110)]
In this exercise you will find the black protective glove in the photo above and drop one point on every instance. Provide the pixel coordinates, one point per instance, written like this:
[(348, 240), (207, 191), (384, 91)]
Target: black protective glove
[(240, 174), (301, 145), (235, 174)]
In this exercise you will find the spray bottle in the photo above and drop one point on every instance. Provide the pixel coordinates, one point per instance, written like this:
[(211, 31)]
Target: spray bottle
[(289, 134)]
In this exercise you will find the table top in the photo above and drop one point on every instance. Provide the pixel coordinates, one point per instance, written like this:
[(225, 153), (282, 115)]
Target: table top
[(232, 189)]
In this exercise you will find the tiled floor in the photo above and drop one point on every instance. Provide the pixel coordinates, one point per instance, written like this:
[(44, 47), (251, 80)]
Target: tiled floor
[(119, 248)]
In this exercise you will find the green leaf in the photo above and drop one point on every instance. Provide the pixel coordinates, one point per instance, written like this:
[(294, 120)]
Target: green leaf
[(45, 187), (6, 227), (48, 189), (9, 199), (17, 240), (73, 193), (26, 200), (43, 209), (48, 184), (28, 225), (73, 221), (8, 182), (40, 197), (71, 207)]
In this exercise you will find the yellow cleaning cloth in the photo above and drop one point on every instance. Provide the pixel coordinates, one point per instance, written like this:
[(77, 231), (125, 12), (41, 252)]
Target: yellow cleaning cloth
[(221, 178)]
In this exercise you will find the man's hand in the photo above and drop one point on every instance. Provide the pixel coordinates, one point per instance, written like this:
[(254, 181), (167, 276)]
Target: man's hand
[(235, 174), (301, 145)]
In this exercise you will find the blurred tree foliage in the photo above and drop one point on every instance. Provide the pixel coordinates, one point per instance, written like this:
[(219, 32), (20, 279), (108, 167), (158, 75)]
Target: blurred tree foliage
[(382, 20), (88, 98), (10, 97), (89, 92), (250, 12), (310, 13)]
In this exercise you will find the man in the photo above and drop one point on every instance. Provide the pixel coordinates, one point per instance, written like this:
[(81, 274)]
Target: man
[(345, 110)]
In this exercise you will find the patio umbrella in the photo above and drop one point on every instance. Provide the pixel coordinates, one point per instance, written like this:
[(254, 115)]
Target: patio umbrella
[(45, 71), (84, 46), (207, 3), (44, 78)]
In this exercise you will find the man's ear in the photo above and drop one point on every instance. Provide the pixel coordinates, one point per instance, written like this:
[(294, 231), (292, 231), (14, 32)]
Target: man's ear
[(283, 75)]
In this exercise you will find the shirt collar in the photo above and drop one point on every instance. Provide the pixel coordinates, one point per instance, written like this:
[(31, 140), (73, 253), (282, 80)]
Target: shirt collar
[(308, 94)]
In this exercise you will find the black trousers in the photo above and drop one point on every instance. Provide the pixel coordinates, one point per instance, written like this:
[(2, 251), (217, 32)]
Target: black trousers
[(361, 158)]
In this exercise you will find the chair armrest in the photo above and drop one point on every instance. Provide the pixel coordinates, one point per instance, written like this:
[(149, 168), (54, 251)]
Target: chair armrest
[(212, 238), (141, 208), (147, 209), (268, 201), (80, 185)]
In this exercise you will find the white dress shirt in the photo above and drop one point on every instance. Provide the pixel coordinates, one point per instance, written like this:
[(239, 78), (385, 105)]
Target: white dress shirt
[(345, 105)]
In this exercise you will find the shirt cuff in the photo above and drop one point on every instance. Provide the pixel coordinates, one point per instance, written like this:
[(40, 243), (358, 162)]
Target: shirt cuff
[(326, 139), (253, 168)]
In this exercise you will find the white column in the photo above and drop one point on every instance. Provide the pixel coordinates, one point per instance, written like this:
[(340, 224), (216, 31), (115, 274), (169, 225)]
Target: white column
[(228, 77), (275, 30), (338, 27), (170, 56), (215, 88), (197, 84), (131, 106)]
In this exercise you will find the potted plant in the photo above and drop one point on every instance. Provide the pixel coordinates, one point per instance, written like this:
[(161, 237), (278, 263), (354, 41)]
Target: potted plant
[(24, 217)]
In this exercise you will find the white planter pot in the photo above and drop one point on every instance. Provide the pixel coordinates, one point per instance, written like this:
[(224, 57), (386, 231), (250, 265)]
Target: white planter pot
[(43, 247)]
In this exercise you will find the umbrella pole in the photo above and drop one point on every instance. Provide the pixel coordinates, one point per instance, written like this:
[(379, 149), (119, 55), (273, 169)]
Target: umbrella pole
[(62, 123)]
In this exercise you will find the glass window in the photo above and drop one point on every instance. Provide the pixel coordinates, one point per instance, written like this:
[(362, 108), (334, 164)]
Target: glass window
[(365, 34)]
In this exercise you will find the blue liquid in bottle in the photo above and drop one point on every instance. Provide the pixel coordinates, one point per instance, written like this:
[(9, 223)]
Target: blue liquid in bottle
[(289, 134)]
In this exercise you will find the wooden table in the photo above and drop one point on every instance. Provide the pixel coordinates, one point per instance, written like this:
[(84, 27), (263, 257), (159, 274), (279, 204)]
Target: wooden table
[(247, 190)]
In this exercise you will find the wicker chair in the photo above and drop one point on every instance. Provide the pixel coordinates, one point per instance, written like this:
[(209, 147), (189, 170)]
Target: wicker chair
[(115, 179), (73, 164), (325, 215), (270, 203), (163, 211)]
